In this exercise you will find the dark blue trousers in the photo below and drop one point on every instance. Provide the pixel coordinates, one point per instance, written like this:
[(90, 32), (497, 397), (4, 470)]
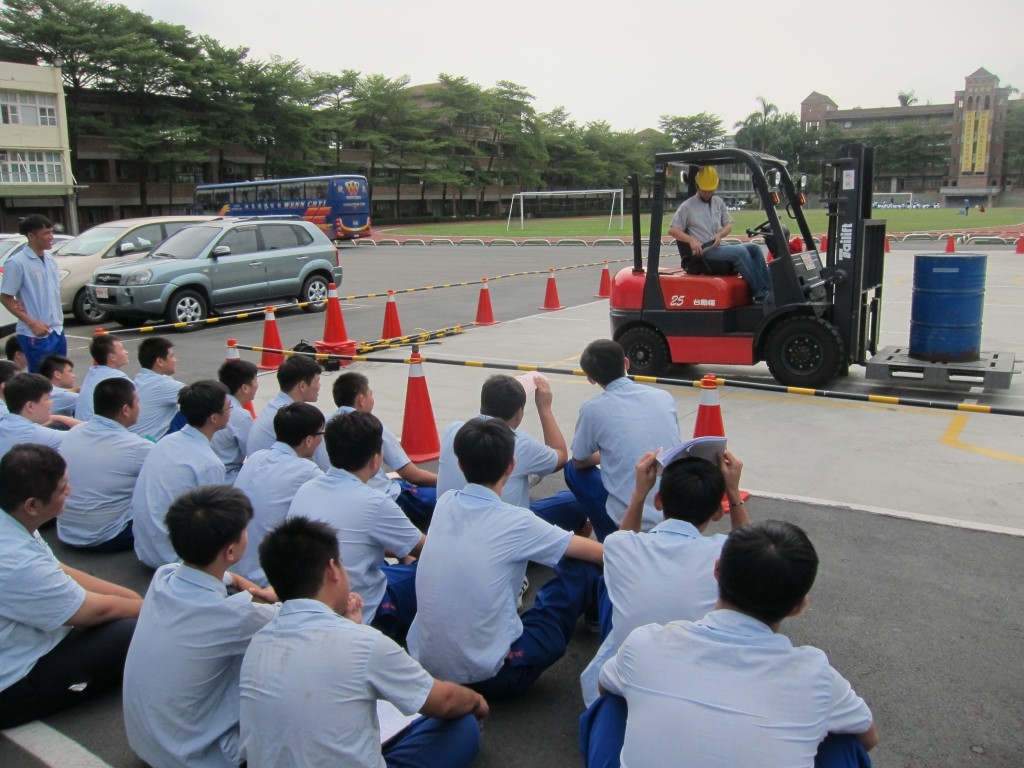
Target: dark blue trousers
[(589, 491), (397, 608), (417, 501), (562, 510), (432, 743)]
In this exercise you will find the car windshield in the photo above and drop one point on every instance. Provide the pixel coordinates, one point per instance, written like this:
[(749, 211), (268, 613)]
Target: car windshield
[(6, 246), (186, 243), (92, 241)]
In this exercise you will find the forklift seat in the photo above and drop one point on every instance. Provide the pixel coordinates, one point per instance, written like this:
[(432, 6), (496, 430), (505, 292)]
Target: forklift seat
[(695, 265)]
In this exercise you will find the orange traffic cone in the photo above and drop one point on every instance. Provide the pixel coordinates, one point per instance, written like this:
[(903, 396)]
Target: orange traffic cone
[(484, 313), (887, 249), (419, 430), (823, 244), (392, 325), (951, 245), (604, 290), (551, 294), (231, 356), (1020, 244), (335, 340), (709, 413), (270, 361)]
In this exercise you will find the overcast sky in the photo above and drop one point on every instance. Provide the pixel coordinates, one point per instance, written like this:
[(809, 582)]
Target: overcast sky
[(629, 62)]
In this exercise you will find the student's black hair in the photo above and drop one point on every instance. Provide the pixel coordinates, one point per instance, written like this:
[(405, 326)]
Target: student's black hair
[(691, 490), (501, 397), (295, 555), (604, 361), (235, 374), (347, 387), (296, 421), (766, 569), (204, 520), (12, 346), (200, 400), (352, 439), (25, 388), (484, 448), (153, 348), (102, 347), (53, 364), (29, 471), (33, 222), (8, 371), (295, 370), (111, 395)]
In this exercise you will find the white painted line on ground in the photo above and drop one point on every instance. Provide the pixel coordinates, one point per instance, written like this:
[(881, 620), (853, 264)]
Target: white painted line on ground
[(951, 522), (52, 747)]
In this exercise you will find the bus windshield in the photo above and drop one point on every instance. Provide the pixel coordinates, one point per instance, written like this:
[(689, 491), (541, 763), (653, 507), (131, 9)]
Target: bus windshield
[(338, 205)]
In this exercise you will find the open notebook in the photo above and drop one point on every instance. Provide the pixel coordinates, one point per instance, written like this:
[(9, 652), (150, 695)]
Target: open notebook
[(706, 448)]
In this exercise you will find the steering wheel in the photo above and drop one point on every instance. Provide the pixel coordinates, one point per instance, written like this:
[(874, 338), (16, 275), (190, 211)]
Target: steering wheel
[(764, 228)]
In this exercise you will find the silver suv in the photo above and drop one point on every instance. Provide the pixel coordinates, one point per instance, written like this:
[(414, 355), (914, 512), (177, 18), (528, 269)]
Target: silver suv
[(221, 266)]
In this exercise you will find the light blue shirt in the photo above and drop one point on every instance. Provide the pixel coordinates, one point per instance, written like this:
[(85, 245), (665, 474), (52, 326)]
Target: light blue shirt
[(229, 443), (104, 460), (16, 429), (532, 458), (181, 674), (93, 376), (727, 692), (623, 423), (158, 403), (310, 684), (179, 462), (36, 284), (270, 478), (263, 435), (38, 598), (394, 457), (469, 575), (665, 575), (367, 523), (64, 401)]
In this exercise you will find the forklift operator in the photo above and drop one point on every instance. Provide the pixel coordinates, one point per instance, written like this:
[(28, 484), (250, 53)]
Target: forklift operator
[(704, 220)]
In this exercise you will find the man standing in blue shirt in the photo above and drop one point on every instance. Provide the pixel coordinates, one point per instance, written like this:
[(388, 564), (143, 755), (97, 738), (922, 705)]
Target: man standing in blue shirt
[(31, 292), (63, 633), (109, 356), (181, 694), (28, 404), (157, 388), (614, 430), (181, 461), (104, 461)]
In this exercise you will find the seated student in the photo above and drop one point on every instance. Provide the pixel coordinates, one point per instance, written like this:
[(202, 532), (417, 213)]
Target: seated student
[(104, 462), (63, 633), (109, 356), (466, 628), (311, 678), (240, 377), (181, 675), (615, 429), (28, 405), (158, 389), (299, 380), (14, 353), (7, 372), (369, 524), (667, 573), (180, 461), (415, 493), (271, 477), (503, 397), (729, 690), (60, 370)]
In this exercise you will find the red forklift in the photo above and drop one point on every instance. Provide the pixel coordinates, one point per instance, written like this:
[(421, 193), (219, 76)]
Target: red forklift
[(823, 311)]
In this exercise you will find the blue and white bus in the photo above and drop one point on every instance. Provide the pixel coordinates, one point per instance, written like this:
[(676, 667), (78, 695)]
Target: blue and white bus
[(339, 205)]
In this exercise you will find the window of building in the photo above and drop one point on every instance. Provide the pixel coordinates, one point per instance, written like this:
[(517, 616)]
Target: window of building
[(27, 108), (18, 167)]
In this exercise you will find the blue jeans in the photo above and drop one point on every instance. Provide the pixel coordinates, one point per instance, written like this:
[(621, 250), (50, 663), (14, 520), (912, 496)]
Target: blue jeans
[(432, 743), (397, 608), (123, 541), (748, 260), (547, 628), (417, 501), (36, 349), (603, 732), (586, 485), (562, 509)]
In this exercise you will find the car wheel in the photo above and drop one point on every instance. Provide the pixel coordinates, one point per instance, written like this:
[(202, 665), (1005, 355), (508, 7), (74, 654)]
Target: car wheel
[(646, 350), (804, 352), (186, 306), (314, 293), (85, 311)]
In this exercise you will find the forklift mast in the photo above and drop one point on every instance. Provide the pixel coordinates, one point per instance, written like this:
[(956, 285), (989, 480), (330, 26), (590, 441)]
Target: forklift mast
[(854, 262)]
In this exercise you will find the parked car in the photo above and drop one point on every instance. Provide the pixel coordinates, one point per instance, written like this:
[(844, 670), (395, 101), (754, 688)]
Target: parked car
[(223, 265), (79, 258)]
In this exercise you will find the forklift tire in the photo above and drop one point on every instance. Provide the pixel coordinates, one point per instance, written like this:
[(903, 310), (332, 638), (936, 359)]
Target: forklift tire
[(804, 352), (646, 350)]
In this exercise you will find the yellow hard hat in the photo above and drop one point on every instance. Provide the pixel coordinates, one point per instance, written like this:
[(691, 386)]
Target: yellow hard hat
[(707, 179)]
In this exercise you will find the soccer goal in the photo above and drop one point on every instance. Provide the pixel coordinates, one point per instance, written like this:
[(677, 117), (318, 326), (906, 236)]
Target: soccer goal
[(892, 199), (614, 194)]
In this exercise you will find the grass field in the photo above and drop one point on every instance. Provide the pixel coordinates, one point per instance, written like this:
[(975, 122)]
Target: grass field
[(919, 220)]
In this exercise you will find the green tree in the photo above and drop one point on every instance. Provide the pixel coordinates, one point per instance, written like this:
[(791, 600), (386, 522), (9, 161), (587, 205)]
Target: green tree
[(692, 132), (1013, 142), (756, 127), (378, 108), (906, 98)]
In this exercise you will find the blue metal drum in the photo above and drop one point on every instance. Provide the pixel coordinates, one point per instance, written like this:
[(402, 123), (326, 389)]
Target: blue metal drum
[(947, 307)]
